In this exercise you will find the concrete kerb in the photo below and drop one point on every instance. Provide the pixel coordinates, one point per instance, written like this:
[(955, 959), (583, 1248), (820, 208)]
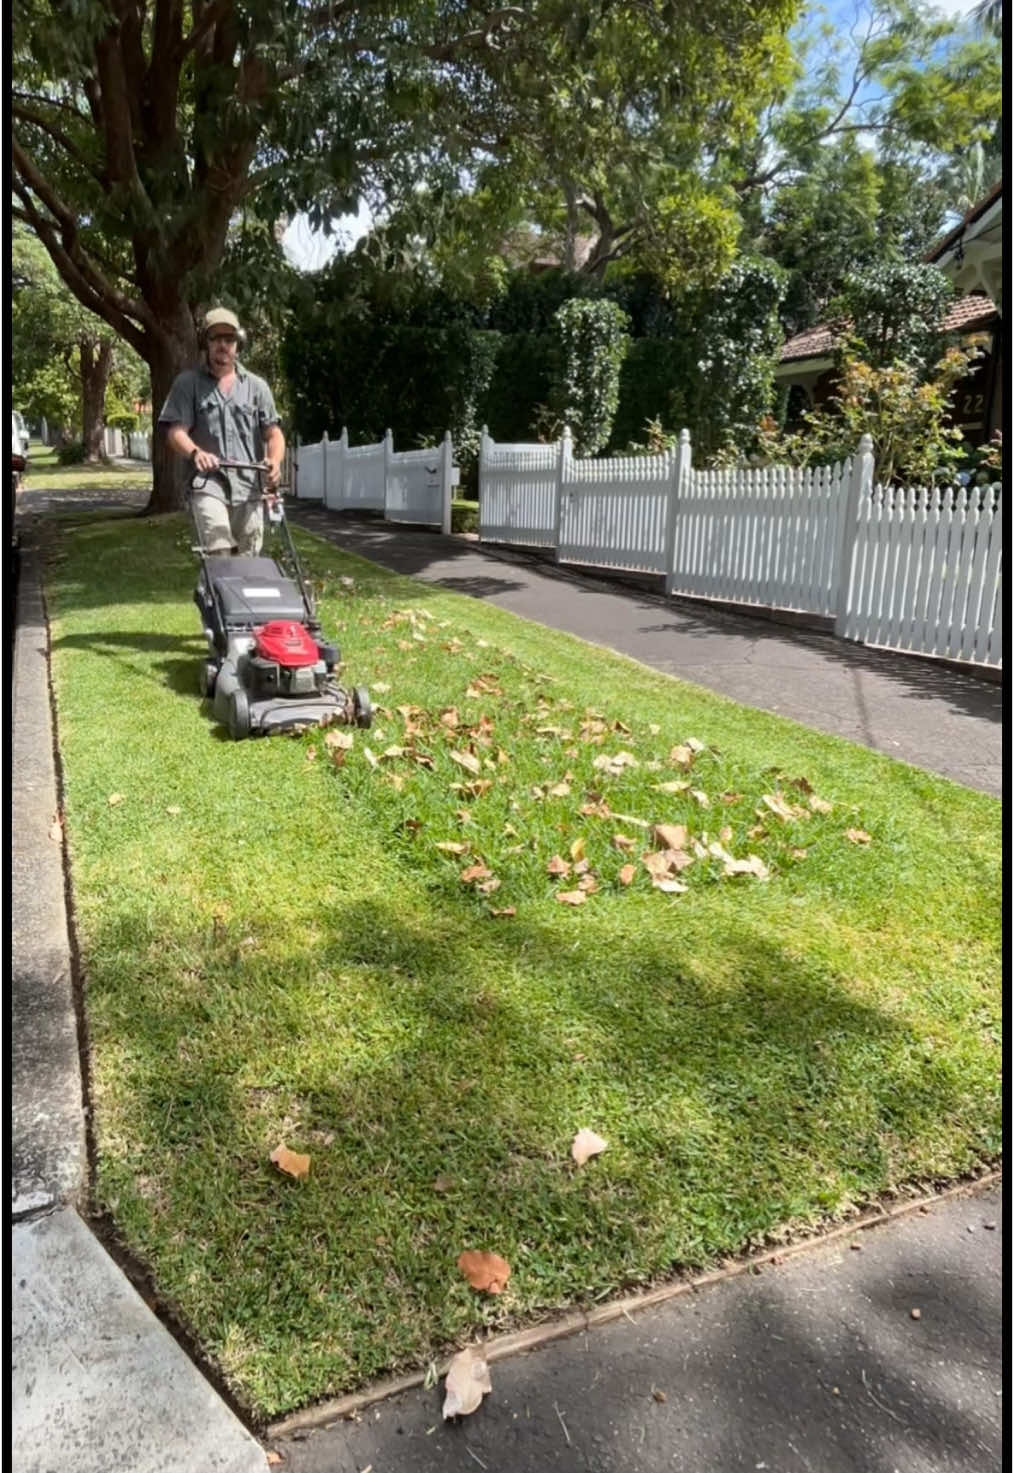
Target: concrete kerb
[(576, 1322)]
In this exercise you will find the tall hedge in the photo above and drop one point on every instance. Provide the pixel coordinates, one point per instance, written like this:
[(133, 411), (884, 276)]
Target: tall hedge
[(593, 342)]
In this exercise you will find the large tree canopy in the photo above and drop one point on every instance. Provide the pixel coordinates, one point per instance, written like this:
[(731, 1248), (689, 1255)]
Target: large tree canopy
[(141, 127)]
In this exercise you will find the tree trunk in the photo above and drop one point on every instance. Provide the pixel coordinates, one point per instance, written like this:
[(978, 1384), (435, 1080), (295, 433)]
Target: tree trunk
[(168, 355), (96, 364)]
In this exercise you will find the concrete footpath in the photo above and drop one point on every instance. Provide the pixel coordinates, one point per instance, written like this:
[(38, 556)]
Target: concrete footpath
[(815, 1363), (97, 1382)]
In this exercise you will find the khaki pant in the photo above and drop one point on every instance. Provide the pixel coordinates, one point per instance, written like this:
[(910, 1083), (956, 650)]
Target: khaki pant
[(223, 527)]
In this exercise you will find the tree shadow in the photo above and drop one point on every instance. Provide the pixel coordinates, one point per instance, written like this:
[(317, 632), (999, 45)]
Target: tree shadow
[(814, 1365), (180, 671), (739, 1097)]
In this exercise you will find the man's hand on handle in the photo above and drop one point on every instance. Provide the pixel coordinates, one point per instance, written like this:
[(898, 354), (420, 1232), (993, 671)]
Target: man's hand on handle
[(204, 461)]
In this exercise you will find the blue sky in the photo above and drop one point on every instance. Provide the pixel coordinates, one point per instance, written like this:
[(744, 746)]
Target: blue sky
[(310, 250)]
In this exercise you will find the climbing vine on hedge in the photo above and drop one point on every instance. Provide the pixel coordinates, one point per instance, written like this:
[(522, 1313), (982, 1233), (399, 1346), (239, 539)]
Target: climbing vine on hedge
[(594, 341)]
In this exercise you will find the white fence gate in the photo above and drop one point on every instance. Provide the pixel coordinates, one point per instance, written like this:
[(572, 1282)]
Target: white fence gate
[(907, 569), (407, 486)]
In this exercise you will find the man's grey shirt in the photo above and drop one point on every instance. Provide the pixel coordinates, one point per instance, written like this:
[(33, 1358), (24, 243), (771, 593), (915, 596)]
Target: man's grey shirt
[(231, 426)]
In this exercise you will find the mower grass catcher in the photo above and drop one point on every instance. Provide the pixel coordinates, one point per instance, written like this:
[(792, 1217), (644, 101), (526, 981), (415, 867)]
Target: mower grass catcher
[(268, 668)]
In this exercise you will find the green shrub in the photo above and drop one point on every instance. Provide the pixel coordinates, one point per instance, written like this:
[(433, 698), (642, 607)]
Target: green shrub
[(594, 342), (71, 454)]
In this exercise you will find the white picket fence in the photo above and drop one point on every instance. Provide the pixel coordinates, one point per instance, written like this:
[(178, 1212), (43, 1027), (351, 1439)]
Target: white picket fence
[(406, 485), (135, 446), (914, 569)]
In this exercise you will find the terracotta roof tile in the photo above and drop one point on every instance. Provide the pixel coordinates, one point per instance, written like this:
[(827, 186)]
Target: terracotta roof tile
[(969, 312)]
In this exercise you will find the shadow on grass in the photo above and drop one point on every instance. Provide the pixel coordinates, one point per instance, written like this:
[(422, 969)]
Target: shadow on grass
[(738, 1096), (179, 674)]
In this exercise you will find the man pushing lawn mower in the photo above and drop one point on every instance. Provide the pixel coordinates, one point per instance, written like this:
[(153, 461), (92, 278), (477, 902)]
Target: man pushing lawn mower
[(221, 412), (268, 668)]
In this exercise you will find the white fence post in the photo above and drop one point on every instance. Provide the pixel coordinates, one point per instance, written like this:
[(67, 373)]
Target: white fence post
[(682, 466), (295, 468), (323, 469), (388, 452), (343, 445), (860, 484), (562, 466), (447, 468)]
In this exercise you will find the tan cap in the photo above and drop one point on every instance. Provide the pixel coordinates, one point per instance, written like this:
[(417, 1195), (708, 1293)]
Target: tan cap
[(220, 317)]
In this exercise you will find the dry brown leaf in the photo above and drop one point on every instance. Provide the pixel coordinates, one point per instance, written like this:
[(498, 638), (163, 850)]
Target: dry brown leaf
[(475, 872), (694, 745), (370, 757), (582, 867), (585, 1145), (858, 836), (291, 1162), (489, 886), (115, 799), (682, 756), (730, 798), (615, 764), (311, 755), (450, 718), (487, 1272), (466, 1384), (508, 910), (468, 762), (670, 887), (671, 835), (785, 811), (577, 849), (571, 897), (752, 865), (622, 841), (560, 790), (588, 883), (665, 862), (174, 810), (725, 835), (339, 739), (451, 848), (819, 805), (639, 823), (702, 798), (56, 830), (557, 866), (673, 787), (799, 853), (627, 873)]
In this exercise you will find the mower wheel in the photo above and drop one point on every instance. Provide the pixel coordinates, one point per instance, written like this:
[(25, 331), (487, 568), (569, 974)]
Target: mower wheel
[(363, 706), (206, 679), (239, 715)]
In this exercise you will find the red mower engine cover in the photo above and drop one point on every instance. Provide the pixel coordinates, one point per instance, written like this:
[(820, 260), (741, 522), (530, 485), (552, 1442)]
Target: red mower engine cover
[(287, 643)]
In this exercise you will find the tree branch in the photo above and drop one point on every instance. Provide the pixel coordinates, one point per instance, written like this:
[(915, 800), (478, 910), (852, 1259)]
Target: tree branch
[(69, 270), (29, 181), (29, 115)]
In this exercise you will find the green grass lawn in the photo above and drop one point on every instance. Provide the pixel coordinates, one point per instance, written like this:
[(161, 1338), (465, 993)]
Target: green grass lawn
[(46, 473), (277, 950)]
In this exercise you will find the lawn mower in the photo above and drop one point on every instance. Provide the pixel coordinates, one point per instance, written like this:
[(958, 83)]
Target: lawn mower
[(268, 668)]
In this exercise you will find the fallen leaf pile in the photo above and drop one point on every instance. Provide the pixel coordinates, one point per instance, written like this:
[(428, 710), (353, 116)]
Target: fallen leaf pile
[(589, 757)]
